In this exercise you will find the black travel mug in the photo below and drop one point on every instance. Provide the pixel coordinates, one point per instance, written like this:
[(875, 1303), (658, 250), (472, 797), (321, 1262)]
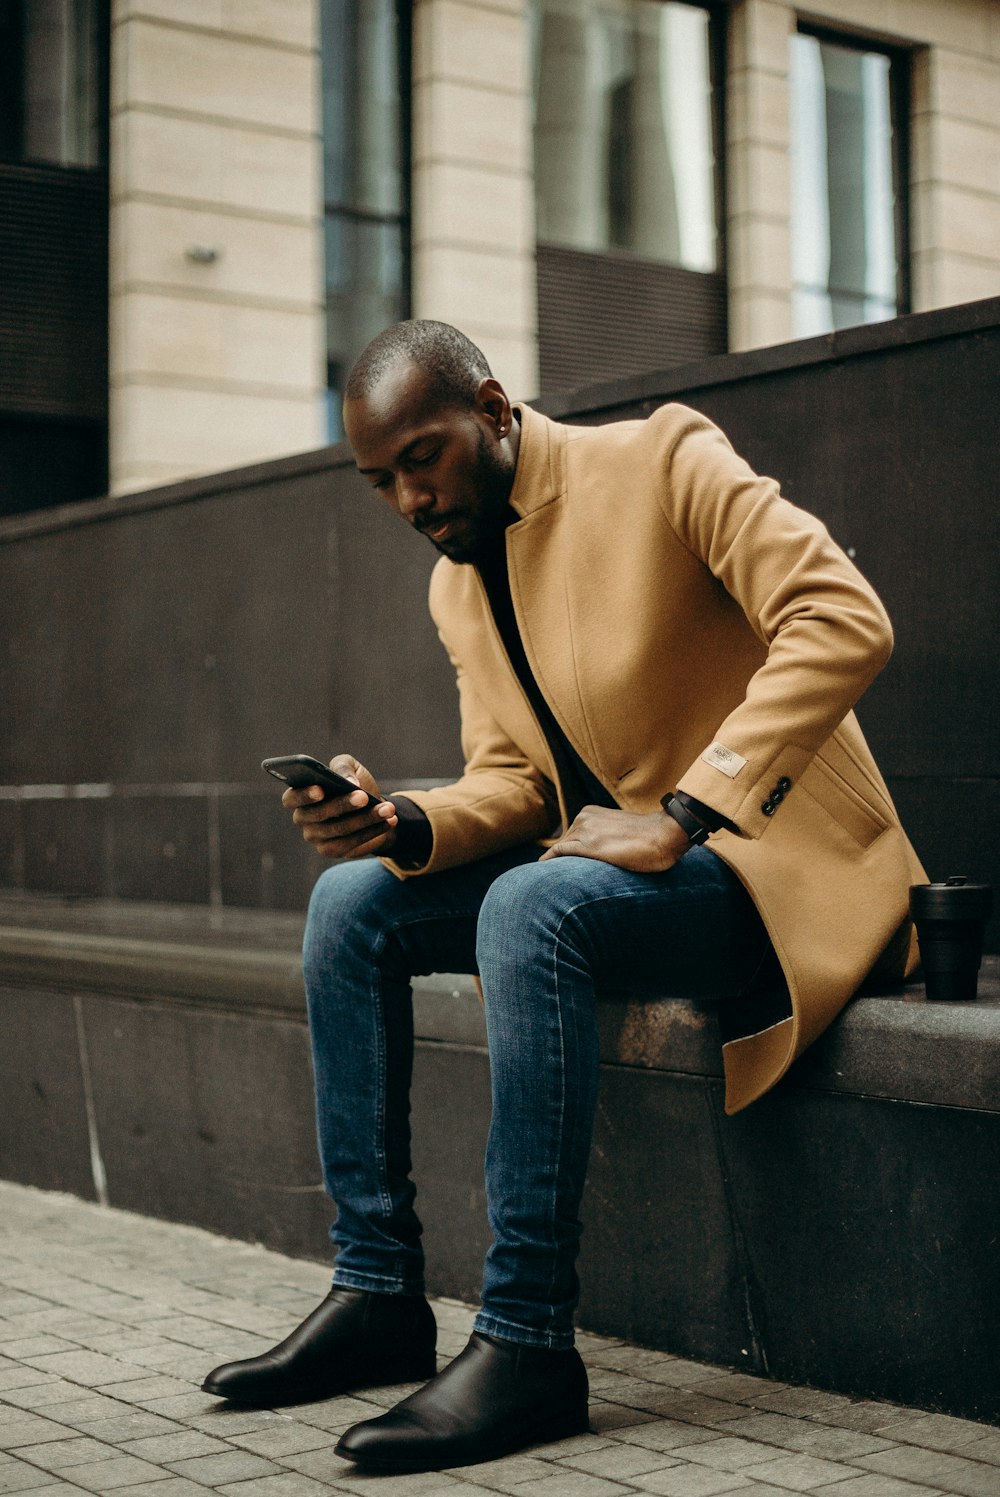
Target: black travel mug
[(950, 920)]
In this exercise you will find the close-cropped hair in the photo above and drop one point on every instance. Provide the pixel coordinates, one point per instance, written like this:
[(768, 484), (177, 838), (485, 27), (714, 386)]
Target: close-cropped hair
[(456, 366)]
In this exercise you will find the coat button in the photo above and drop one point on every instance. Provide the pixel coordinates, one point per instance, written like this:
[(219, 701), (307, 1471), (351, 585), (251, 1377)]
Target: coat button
[(768, 808), (777, 795), (784, 784)]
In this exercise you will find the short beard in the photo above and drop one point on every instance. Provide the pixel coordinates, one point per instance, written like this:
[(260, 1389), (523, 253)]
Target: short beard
[(492, 481)]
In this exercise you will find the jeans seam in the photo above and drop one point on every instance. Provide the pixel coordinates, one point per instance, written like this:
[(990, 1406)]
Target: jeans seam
[(378, 1007), (561, 1129), (488, 1324), (561, 1142), (376, 1283), (558, 942), (378, 1011), (378, 948)]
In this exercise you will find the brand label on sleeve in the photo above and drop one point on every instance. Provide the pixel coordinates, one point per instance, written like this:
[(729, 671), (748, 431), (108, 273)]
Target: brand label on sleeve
[(724, 758)]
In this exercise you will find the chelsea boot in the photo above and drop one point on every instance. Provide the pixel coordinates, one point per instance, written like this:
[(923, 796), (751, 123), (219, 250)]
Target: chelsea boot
[(354, 1339), (494, 1398)]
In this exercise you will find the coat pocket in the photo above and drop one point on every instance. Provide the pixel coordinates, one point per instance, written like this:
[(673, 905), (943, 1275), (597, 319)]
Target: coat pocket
[(863, 821)]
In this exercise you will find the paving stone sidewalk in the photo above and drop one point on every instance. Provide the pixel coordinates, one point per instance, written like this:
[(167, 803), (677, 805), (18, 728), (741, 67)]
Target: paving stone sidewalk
[(109, 1321)]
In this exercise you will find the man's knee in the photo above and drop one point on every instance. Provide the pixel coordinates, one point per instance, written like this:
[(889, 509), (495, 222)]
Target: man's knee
[(345, 897), (530, 902)]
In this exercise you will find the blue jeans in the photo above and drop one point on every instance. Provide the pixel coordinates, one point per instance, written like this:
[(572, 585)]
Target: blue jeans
[(544, 937)]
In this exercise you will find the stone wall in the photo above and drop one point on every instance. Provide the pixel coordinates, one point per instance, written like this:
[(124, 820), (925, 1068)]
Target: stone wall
[(473, 199), (216, 299)]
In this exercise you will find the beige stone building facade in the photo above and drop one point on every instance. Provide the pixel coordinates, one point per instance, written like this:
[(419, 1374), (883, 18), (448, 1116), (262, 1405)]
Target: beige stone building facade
[(954, 155), (218, 306), (216, 287)]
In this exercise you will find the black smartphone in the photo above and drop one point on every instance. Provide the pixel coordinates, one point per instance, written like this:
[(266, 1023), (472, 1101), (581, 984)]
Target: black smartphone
[(300, 770)]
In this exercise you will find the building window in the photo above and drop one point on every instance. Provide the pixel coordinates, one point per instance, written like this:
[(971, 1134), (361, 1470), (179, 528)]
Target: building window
[(849, 250), (625, 138), (366, 87), (53, 251), (53, 57), (628, 182)]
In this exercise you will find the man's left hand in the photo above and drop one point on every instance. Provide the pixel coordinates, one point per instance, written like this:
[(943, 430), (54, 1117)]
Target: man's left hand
[(644, 844)]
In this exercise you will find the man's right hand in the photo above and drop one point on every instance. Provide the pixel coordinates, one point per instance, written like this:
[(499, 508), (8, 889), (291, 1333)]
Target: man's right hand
[(344, 827)]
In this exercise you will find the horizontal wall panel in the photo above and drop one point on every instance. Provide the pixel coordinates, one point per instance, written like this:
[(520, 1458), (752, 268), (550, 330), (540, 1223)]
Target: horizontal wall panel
[(53, 292), (601, 317)]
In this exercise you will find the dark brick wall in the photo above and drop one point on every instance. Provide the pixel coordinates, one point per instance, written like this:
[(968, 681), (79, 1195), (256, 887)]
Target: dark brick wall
[(158, 647)]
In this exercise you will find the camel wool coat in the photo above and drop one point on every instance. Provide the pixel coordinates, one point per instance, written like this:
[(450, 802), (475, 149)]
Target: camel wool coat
[(692, 630)]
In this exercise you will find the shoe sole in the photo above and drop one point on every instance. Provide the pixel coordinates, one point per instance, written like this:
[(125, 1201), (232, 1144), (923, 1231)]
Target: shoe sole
[(384, 1377), (569, 1425)]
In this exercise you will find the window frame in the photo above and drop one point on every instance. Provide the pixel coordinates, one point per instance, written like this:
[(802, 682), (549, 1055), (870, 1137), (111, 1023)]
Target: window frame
[(718, 62), (403, 219), (900, 58), (613, 312), (15, 156), (717, 14)]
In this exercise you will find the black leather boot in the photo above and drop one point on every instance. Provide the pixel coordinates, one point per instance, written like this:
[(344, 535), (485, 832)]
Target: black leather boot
[(494, 1398), (354, 1339)]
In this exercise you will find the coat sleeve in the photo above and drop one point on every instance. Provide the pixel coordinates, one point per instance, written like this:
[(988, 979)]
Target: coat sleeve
[(826, 633), (501, 800)]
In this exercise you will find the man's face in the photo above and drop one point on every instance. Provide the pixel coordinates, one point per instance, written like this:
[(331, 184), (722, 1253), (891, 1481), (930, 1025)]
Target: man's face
[(444, 468)]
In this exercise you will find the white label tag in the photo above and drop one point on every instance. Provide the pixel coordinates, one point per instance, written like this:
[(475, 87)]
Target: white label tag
[(725, 759)]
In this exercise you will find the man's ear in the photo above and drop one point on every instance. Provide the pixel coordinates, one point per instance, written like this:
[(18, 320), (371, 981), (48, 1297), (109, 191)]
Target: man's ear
[(491, 400)]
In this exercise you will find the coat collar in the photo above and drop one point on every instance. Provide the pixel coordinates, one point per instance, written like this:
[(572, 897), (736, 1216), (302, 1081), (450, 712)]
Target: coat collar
[(540, 475)]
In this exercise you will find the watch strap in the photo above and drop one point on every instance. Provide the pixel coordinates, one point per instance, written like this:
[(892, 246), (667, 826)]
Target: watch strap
[(709, 817), (695, 831)]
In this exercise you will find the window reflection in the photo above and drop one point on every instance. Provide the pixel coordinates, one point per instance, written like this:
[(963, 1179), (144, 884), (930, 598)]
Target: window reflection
[(365, 102), (844, 251), (51, 70), (364, 293), (625, 153)]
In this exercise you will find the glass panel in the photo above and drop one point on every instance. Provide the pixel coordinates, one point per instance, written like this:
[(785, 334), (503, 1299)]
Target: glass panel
[(362, 154), (61, 82), (624, 149), (843, 209), (364, 159), (364, 293)]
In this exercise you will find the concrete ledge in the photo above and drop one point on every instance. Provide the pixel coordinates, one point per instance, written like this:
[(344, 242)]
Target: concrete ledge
[(895, 1045), (228, 975), (840, 1232)]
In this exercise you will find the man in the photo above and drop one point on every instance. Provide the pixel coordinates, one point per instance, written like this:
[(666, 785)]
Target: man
[(665, 790)]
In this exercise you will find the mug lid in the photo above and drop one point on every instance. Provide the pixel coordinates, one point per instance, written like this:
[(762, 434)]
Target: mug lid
[(954, 898), (953, 881)]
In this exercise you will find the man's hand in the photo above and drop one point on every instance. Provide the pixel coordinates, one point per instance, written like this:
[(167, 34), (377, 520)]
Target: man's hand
[(344, 827), (644, 844)]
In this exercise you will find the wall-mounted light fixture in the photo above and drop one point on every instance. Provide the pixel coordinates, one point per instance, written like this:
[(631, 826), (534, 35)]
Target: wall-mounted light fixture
[(202, 254)]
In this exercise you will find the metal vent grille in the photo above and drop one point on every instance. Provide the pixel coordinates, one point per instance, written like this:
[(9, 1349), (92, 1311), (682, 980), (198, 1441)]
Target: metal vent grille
[(53, 292), (603, 317)]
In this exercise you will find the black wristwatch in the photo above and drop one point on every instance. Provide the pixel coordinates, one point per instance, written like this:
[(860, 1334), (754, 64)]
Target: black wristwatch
[(696, 831)]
